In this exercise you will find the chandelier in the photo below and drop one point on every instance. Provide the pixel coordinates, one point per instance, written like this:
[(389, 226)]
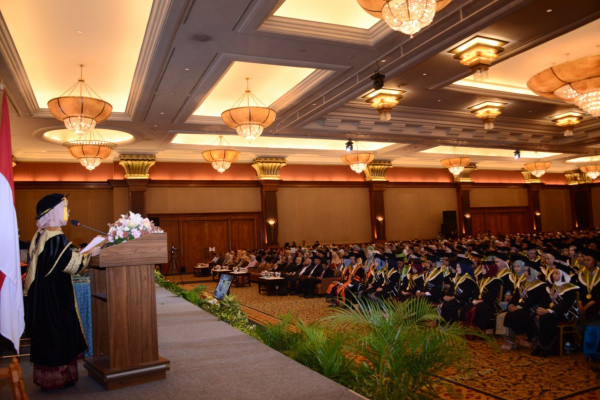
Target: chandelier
[(592, 171), (576, 82), (539, 168), (456, 165), (478, 54), (406, 16), (358, 160), (487, 112), (80, 107), (248, 116), (567, 120), (384, 100), (90, 149), (221, 158)]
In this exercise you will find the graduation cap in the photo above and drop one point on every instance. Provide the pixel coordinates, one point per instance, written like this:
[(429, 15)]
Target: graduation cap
[(47, 203), (591, 253)]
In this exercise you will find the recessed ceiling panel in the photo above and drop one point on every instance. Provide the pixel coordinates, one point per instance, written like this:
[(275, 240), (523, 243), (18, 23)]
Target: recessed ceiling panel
[(511, 75), (54, 37), (271, 142), (338, 12), (267, 82), (484, 152)]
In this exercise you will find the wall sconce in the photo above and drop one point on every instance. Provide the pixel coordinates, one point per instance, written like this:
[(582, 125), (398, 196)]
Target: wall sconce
[(537, 213), (379, 218), (467, 215), (271, 221)]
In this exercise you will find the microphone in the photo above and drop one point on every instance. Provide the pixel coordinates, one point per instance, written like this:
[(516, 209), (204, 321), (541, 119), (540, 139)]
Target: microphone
[(76, 222)]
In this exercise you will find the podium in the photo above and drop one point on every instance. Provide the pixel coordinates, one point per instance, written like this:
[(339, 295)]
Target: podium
[(124, 313)]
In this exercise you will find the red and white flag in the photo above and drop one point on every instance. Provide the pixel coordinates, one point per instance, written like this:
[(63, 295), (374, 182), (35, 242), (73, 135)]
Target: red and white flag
[(12, 317)]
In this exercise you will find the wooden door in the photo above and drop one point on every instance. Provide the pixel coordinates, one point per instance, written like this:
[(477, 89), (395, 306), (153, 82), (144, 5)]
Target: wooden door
[(216, 236), (171, 227), (193, 243), (242, 233)]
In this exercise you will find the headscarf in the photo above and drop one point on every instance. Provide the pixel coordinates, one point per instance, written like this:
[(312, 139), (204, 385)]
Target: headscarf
[(491, 269), (418, 266), (564, 277), (53, 218), (521, 265)]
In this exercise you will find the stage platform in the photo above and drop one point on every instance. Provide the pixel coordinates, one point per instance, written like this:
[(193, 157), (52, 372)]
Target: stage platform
[(209, 360)]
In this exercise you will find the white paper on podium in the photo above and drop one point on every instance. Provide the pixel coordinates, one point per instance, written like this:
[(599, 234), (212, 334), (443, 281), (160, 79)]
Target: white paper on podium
[(95, 242)]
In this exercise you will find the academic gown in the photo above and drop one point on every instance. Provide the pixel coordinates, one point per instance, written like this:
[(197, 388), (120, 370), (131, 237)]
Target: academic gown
[(486, 311), (562, 304), (589, 284), (532, 295), (465, 290), (434, 285), (56, 334)]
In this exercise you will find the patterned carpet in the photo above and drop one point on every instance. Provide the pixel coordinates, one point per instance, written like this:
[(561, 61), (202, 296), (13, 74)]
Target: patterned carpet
[(514, 375)]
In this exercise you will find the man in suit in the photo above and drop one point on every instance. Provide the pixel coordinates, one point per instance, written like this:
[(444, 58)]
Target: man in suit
[(300, 269), (321, 271)]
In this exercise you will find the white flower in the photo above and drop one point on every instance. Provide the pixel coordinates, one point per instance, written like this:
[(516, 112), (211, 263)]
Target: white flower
[(136, 233)]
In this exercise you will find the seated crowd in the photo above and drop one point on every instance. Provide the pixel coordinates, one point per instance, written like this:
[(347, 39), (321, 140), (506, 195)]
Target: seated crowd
[(525, 284)]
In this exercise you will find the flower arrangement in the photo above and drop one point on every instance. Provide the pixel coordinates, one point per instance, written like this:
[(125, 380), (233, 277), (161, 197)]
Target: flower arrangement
[(130, 227)]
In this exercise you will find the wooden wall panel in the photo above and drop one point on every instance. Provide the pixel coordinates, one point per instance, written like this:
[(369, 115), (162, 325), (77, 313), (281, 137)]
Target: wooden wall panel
[(499, 197), (596, 205), (416, 213), (179, 200), (193, 242), (500, 220), (242, 233), (555, 207), (326, 214), (216, 236)]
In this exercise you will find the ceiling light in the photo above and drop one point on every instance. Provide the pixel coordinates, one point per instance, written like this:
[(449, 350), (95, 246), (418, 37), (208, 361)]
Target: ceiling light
[(90, 149), (378, 80), (78, 108), (567, 120), (575, 82), (384, 100), (517, 154), (249, 116), (406, 16), (221, 158), (538, 169), (478, 54), (592, 171), (358, 160), (456, 165), (349, 145), (487, 112)]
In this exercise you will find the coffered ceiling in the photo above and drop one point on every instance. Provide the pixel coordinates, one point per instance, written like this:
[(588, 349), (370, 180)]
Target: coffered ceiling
[(171, 67)]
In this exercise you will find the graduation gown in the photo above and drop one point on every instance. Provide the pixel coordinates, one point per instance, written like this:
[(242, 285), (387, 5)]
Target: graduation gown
[(465, 290), (562, 306), (590, 291), (54, 325), (531, 296), (434, 285), (485, 312)]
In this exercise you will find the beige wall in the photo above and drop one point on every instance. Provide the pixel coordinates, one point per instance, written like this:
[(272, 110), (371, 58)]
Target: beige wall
[(596, 205), (180, 200), (415, 213), (325, 214), (555, 206), (498, 197), (93, 207)]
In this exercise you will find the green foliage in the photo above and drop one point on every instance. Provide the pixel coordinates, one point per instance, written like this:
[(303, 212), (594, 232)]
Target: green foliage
[(228, 310), (280, 336)]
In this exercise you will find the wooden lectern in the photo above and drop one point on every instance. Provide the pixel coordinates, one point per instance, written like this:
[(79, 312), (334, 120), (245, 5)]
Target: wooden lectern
[(124, 313)]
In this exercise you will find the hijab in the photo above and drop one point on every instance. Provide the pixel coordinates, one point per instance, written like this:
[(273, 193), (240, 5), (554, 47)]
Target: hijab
[(491, 269), (564, 277)]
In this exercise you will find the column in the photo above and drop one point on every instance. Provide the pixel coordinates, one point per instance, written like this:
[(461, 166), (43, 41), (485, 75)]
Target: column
[(137, 175), (268, 169), (581, 199), (533, 197), (463, 200), (375, 175)]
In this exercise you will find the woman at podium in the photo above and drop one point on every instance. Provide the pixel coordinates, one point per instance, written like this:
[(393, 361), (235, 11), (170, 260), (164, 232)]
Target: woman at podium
[(56, 334)]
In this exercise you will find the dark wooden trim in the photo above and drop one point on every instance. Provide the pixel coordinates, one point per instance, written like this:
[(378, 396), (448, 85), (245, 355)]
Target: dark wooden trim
[(204, 216), (61, 185), (498, 209), (176, 183)]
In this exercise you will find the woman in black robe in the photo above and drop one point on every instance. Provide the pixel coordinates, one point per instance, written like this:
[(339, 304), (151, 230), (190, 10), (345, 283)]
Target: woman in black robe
[(56, 333), (562, 308), (453, 307), (529, 294), (413, 281), (487, 305)]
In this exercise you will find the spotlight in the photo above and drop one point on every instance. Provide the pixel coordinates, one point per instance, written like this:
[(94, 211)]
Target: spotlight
[(517, 154), (377, 79), (349, 145)]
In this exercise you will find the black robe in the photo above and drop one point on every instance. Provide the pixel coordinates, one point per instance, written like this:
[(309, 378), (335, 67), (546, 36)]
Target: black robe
[(465, 290), (56, 333), (434, 285), (563, 309), (532, 295), (485, 312), (589, 294)]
